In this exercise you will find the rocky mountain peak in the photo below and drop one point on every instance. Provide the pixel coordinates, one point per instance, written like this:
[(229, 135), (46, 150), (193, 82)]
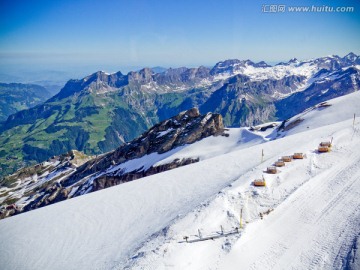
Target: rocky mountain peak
[(351, 59), (99, 76), (185, 128), (194, 112), (227, 66), (248, 62), (75, 157), (293, 61), (234, 66), (351, 56), (262, 64), (182, 76), (143, 76), (227, 63), (95, 81)]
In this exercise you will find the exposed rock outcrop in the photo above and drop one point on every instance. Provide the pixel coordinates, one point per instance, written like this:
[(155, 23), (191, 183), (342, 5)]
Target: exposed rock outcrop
[(184, 128), (74, 174), (109, 180)]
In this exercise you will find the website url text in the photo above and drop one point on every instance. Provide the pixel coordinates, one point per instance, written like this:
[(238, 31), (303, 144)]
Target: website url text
[(284, 8)]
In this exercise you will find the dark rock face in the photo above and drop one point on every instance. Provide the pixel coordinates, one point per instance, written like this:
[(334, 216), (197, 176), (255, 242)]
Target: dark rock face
[(37, 188), (185, 128), (144, 76), (108, 180), (244, 102), (261, 64), (182, 76), (54, 193)]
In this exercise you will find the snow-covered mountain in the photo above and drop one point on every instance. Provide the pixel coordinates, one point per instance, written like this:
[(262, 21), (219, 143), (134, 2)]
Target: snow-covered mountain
[(180, 79), (307, 216), (99, 112), (306, 68), (327, 85)]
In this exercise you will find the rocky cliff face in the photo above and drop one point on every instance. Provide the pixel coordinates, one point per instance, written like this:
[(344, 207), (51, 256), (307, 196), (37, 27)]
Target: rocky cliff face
[(232, 66), (242, 101), (113, 179), (74, 174), (182, 76)]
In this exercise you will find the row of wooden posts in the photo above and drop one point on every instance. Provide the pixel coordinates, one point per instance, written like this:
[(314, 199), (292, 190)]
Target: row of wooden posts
[(200, 236), (322, 148)]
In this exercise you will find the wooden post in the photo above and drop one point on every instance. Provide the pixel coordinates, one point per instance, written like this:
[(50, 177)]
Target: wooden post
[(241, 218), (200, 235), (354, 121), (222, 229)]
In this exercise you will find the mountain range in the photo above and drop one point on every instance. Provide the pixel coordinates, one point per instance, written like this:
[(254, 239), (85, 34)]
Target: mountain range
[(100, 112)]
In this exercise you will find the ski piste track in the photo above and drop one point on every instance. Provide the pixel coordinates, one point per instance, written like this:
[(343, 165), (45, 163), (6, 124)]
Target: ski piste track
[(316, 200), (322, 213)]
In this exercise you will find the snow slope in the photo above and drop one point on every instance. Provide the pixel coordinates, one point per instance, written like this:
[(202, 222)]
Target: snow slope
[(315, 220), (141, 224)]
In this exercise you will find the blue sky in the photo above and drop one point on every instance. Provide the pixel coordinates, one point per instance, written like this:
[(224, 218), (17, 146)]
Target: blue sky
[(119, 35)]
